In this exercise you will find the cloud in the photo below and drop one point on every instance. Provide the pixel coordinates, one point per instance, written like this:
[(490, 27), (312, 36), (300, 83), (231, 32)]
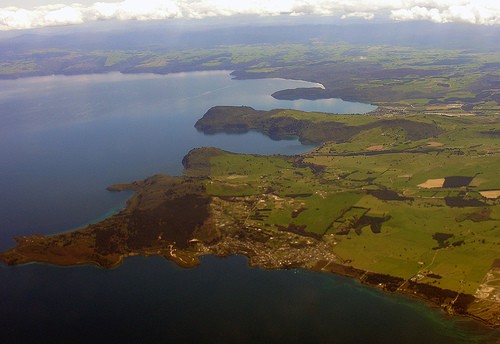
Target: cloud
[(486, 12), (483, 12), (364, 15)]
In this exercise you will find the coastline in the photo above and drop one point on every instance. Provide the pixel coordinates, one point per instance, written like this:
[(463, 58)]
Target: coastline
[(180, 261), (233, 73), (436, 299), (68, 249)]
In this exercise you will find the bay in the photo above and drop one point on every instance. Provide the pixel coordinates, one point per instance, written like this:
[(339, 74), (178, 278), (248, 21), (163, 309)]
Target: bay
[(64, 139)]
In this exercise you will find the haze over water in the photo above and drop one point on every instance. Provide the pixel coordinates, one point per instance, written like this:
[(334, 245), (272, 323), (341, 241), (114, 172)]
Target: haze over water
[(64, 139)]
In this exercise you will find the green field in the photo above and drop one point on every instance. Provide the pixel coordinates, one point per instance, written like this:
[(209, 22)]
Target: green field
[(406, 203), (356, 187), (408, 194)]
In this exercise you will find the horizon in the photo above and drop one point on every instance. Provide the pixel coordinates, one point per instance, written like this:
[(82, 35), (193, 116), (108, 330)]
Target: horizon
[(31, 14)]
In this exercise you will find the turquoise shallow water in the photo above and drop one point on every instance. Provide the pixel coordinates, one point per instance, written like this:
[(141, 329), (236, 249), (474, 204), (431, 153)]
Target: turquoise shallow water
[(64, 139)]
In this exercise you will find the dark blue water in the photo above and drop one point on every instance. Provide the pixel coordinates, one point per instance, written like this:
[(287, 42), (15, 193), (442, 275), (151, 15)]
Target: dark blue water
[(64, 139), (221, 301)]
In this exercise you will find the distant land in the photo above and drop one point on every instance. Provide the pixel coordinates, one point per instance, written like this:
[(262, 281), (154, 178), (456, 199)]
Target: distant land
[(405, 198), (423, 64)]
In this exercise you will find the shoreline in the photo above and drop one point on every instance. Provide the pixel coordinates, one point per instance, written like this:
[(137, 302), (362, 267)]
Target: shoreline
[(356, 272), (231, 73), (106, 244), (349, 273), (453, 303)]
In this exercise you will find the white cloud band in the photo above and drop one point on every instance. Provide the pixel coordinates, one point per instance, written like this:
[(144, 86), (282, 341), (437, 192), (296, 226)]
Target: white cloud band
[(486, 12)]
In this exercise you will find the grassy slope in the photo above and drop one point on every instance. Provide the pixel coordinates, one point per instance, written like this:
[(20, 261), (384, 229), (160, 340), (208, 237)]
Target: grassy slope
[(405, 245)]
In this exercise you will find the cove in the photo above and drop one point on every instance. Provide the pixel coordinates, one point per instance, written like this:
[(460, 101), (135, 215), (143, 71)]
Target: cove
[(64, 139)]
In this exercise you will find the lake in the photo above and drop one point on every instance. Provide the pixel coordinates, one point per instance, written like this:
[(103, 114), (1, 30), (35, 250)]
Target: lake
[(63, 139)]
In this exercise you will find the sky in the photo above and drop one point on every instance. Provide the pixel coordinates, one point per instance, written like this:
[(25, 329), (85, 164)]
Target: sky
[(27, 14)]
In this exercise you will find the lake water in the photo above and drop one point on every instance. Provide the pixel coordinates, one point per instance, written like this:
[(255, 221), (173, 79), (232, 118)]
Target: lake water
[(64, 139)]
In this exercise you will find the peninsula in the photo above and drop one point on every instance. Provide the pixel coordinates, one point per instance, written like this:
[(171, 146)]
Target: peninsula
[(406, 201)]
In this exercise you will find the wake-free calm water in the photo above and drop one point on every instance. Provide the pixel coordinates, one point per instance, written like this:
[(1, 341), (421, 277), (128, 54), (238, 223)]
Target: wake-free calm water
[(64, 139)]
